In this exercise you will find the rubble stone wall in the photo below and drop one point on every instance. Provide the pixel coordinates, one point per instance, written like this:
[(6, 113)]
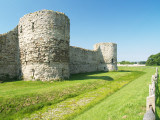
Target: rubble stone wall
[(39, 49), (9, 57), (82, 60), (102, 58)]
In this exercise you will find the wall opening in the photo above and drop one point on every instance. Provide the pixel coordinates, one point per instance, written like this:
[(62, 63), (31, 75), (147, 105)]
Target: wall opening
[(112, 60), (21, 29), (62, 72), (33, 71), (33, 26)]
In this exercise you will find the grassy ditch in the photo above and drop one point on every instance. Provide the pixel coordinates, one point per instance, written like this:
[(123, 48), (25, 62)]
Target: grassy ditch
[(72, 107), (21, 99)]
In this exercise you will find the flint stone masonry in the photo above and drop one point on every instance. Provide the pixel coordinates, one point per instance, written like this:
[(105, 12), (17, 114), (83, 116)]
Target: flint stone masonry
[(82, 60), (9, 57), (39, 49), (44, 45), (107, 54), (102, 58)]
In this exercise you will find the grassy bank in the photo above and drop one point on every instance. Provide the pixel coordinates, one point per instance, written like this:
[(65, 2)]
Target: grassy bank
[(20, 98), (71, 107), (128, 103)]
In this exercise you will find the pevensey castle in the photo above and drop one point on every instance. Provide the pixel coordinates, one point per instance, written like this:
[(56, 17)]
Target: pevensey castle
[(39, 49)]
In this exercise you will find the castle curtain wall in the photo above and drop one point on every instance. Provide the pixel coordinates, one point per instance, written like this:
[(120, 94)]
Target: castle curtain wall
[(9, 55), (39, 49), (82, 60), (102, 58)]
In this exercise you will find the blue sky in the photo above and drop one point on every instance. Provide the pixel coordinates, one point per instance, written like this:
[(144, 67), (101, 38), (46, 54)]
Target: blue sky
[(133, 24)]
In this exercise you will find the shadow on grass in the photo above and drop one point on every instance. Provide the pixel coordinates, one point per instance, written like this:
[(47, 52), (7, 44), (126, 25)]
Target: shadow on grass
[(7, 79), (74, 77), (126, 71), (85, 76)]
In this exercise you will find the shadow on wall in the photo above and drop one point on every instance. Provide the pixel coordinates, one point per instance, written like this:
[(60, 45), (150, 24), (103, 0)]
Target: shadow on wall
[(107, 60), (20, 75), (10, 65), (101, 61)]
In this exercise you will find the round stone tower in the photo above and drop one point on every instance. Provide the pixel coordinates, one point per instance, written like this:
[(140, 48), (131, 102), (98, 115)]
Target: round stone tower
[(107, 56), (44, 45)]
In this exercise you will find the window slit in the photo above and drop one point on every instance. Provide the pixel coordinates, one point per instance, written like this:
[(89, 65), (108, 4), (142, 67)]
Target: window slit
[(33, 26)]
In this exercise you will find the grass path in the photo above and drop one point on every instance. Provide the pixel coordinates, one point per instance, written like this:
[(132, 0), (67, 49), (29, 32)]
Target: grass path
[(129, 103)]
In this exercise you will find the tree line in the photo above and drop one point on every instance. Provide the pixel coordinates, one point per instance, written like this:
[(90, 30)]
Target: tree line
[(153, 60), (128, 62)]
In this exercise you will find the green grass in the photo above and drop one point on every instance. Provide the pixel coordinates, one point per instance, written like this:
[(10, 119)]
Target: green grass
[(84, 101), (96, 96), (128, 103), (158, 101), (21, 98)]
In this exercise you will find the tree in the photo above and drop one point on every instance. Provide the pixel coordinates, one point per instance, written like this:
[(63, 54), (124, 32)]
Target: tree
[(125, 62), (153, 60), (142, 62)]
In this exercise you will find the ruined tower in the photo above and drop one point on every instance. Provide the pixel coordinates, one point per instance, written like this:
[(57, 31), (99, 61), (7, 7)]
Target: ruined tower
[(107, 54), (44, 45)]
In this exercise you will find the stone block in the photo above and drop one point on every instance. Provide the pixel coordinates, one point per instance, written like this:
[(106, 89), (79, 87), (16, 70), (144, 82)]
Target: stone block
[(150, 103), (149, 115), (152, 78), (156, 69), (151, 90)]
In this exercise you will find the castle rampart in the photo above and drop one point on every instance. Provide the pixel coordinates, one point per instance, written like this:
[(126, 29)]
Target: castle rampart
[(39, 49)]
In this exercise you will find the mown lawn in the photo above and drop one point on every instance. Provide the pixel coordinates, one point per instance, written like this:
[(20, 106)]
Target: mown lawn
[(128, 103), (158, 100)]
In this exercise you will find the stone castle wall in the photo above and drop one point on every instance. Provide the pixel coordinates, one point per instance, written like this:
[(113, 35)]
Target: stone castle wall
[(102, 58), (38, 49), (82, 60), (9, 57)]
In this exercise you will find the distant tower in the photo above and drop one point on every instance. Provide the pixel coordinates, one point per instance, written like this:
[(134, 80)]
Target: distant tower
[(107, 54), (44, 45)]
